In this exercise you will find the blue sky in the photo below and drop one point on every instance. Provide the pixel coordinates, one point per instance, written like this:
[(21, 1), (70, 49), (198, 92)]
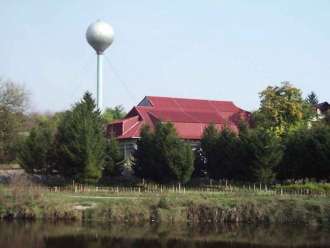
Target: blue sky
[(211, 49)]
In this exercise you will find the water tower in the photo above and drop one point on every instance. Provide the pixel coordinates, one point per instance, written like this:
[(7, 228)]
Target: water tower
[(100, 36)]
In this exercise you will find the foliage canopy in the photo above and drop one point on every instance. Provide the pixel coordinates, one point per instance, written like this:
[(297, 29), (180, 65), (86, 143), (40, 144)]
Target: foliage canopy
[(282, 109)]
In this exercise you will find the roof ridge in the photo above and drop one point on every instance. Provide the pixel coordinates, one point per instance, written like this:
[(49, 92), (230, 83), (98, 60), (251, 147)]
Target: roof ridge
[(123, 119), (172, 109), (190, 99)]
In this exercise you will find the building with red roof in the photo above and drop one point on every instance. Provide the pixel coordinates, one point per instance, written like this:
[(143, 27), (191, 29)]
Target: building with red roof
[(189, 116)]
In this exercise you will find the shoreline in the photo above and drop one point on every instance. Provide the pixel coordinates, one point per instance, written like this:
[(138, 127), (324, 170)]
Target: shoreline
[(193, 208)]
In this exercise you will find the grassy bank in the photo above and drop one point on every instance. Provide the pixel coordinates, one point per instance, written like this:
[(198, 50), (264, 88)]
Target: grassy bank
[(25, 202)]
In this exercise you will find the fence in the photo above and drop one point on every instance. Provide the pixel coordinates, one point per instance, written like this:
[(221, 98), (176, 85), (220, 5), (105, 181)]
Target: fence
[(226, 188)]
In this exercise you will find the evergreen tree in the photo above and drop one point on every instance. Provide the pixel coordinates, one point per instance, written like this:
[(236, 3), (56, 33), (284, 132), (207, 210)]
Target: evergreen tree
[(80, 142), (34, 153), (312, 99), (250, 156), (262, 154), (112, 158), (208, 149), (161, 156), (143, 166), (307, 154), (222, 151), (229, 154), (182, 164)]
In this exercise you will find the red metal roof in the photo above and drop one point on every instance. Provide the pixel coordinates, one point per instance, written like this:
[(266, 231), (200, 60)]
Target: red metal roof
[(189, 116)]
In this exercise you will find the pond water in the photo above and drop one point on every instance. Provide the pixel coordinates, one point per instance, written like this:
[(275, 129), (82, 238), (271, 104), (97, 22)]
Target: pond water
[(71, 235)]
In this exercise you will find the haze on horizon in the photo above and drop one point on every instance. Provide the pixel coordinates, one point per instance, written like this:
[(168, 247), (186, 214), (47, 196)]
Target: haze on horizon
[(222, 50)]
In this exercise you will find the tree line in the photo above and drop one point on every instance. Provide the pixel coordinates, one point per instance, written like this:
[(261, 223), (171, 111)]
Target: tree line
[(75, 148), (285, 139)]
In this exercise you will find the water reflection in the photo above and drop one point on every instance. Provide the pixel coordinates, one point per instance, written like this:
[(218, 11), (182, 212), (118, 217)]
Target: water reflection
[(65, 235)]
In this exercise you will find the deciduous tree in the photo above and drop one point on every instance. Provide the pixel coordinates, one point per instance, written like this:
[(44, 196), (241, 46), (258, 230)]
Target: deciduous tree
[(282, 109), (116, 113), (13, 103)]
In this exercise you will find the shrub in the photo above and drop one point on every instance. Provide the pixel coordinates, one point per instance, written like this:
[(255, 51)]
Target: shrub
[(164, 203)]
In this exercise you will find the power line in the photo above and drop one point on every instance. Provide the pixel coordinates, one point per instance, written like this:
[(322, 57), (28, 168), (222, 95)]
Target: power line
[(77, 81), (117, 75)]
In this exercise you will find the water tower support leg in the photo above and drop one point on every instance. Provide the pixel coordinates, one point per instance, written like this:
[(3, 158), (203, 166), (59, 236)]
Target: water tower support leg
[(99, 95)]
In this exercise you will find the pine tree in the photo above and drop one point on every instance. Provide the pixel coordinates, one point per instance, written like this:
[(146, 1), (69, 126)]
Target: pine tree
[(312, 99), (228, 155), (34, 153), (307, 154), (222, 151), (262, 154), (181, 162), (80, 142), (162, 157), (251, 155), (208, 151), (112, 158), (143, 166)]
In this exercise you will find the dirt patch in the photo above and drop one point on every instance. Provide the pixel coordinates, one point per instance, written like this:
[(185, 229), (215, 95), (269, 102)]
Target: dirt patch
[(84, 206)]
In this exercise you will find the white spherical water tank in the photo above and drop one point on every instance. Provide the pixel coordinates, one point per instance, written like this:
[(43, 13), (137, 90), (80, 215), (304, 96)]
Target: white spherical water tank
[(100, 36)]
